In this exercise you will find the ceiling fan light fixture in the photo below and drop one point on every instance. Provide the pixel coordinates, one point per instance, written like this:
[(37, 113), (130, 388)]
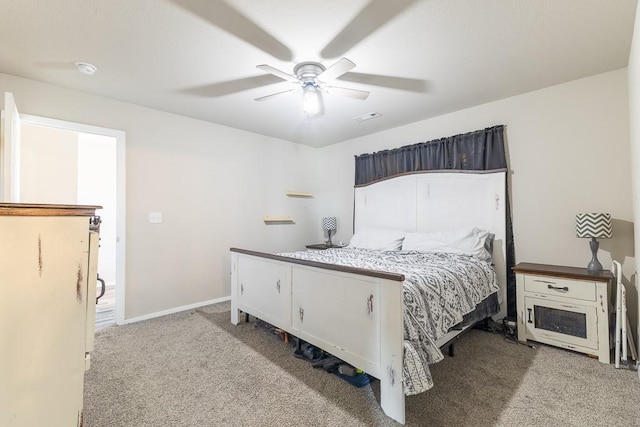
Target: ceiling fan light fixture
[(310, 100), (313, 77)]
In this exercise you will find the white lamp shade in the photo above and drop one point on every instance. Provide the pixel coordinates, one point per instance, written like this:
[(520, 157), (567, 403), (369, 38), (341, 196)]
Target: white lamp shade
[(596, 225)]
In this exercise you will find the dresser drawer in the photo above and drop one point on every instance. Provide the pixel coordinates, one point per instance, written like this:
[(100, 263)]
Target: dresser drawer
[(559, 287)]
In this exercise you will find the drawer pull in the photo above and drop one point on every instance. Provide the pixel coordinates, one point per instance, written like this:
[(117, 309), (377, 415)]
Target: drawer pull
[(278, 285), (529, 321), (558, 288)]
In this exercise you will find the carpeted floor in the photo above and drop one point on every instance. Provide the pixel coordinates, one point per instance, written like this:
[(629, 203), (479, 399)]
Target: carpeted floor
[(196, 369)]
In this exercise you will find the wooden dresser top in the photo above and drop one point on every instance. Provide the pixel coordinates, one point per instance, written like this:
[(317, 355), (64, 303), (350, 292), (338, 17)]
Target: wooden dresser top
[(32, 209), (562, 271)]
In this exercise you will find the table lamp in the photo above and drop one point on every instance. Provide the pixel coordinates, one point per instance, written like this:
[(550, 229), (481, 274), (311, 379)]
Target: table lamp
[(594, 225), (329, 224)]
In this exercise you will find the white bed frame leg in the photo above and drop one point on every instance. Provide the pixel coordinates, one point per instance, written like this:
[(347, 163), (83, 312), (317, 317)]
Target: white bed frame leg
[(392, 394), (392, 351)]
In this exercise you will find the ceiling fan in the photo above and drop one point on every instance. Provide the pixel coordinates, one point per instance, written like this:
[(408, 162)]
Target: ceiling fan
[(312, 79)]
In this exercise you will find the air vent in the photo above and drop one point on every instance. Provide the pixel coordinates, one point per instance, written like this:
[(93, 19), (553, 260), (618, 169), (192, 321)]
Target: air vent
[(368, 116)]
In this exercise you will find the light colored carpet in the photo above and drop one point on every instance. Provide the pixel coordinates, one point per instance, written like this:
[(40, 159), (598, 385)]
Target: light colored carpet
[(196, 369)]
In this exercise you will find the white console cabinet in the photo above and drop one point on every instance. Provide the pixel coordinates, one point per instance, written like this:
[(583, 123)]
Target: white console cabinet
[(48, 277), (566, 307)]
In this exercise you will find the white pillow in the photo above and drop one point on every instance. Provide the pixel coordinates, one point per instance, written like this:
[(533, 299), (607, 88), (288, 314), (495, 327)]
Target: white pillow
[(468, 241), (381, 239)]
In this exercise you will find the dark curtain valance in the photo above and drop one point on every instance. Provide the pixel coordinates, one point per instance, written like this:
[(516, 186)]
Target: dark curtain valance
[(479, 150)]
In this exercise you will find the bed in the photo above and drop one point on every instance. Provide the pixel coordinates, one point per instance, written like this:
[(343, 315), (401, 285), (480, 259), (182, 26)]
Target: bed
[(359, 304)]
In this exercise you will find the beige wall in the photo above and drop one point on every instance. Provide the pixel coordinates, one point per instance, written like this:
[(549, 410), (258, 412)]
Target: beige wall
[(634, 125), (54, 154), (568, 149), (212, 183)]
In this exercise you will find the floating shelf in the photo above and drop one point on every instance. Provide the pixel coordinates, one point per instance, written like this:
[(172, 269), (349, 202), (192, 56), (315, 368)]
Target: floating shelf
[(298, 194), (278, 220)]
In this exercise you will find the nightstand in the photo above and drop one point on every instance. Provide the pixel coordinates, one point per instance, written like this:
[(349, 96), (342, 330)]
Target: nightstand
[(566, 307)]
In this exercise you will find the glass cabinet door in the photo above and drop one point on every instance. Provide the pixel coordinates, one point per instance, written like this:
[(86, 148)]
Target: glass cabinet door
[(559, 321)]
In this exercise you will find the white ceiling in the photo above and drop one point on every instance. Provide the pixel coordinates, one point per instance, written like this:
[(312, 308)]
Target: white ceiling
[(435, 56)]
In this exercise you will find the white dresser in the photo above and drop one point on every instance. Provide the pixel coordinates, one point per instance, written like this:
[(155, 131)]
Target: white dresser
[(48, 276), (564, 306)]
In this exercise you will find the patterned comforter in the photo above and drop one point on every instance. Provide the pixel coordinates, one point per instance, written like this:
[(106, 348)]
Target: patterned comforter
[(439, 289)]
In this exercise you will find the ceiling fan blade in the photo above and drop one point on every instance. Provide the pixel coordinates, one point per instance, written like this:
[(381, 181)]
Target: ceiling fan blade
[(372, 17), (225, 17), (264, 98), (336, 70), (278, 73), (215, 90), (402, 83), (351, 93)]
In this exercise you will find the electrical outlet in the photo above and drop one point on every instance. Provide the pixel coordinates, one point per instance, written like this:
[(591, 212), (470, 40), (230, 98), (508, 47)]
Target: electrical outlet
[(155, 217)]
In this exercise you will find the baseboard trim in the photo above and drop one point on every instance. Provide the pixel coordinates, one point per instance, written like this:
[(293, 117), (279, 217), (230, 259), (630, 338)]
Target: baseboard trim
[(176, 310)]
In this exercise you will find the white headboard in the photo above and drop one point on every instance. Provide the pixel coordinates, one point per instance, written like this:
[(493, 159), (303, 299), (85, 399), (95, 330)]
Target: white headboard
[(437, 200)]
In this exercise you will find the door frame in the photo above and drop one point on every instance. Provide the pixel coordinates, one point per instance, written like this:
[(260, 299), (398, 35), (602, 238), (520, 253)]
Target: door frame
[(120, 137)]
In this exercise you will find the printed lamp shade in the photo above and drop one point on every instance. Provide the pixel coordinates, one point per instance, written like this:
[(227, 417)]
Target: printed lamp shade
[(595, 225), (329, 223)]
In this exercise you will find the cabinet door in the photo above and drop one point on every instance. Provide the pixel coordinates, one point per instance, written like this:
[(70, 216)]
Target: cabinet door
[(338, 312), (563, 322), (265, 290), (43, 299)]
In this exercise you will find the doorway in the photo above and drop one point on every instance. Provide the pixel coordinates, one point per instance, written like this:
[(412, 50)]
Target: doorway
[(71, 163)]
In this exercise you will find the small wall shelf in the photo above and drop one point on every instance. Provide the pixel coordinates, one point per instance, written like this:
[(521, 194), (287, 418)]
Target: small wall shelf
[(278, 220), (302, 194)]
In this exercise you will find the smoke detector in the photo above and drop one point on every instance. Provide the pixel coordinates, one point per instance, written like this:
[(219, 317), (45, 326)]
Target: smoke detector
[(86, 68)]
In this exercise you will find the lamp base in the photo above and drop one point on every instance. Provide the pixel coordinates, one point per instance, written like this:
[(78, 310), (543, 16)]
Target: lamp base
[(329, 243), (594, 265)]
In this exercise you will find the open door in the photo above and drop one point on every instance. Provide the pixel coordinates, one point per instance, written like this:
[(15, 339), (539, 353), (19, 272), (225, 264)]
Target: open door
[(10, 151)]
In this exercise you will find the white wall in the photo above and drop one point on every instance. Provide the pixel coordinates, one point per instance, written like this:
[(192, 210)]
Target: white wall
[(212, 183), (53, 153), (634, 125), (568, 147)]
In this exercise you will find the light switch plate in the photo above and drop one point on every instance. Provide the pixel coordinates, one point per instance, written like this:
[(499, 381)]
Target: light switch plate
[(155, 217)]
